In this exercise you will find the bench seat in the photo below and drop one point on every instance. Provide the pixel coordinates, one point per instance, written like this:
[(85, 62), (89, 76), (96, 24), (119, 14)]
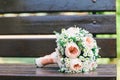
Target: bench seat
[(30, 72)]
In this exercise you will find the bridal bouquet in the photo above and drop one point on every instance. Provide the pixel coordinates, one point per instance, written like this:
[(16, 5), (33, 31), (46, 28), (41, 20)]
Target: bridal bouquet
[(76, 51)]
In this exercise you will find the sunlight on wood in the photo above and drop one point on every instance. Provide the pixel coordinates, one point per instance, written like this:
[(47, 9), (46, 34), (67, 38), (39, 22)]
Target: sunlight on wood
[(10, 15), (26, 14), (41, 14), (26, 36), (73, 13)]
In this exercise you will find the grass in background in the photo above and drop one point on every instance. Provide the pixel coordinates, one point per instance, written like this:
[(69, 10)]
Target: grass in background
[(118, 39), (17, 60)]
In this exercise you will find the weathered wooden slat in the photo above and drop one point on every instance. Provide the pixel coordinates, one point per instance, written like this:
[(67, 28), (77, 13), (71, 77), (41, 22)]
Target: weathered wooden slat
[(55, 5), (106, 50), (29, 71), (52, 78), (41, 47), (47, 24)]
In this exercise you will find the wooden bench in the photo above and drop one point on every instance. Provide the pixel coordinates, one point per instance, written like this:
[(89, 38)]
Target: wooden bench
[(45, 25)]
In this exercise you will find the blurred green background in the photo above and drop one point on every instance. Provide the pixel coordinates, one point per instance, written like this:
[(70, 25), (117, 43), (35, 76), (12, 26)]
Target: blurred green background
[(118, 27), (100, 61), (117, 61)]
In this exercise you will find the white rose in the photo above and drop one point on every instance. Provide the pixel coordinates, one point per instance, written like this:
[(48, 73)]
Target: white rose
[(71, 32)]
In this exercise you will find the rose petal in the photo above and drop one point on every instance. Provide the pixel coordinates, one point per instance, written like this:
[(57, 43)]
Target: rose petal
[(75, 64), (72, 50)]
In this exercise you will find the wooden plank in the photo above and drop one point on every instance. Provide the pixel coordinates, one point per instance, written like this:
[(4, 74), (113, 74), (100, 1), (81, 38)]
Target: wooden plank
[(51, 78), (106, 50), (47, 24), (55, 5), (41, 47), (29, 71)]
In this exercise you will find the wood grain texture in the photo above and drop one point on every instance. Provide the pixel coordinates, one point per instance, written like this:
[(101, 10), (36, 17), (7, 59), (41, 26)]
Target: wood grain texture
[(13, 6), (47, 24), (29, 71), (41, 47)]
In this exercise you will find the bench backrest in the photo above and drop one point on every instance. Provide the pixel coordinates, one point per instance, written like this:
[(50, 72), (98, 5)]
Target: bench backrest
[(35, 44)]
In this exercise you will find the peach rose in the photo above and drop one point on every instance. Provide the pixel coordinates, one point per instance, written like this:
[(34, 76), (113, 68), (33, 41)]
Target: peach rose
[(72, 50), (89, 41), (75, 64)]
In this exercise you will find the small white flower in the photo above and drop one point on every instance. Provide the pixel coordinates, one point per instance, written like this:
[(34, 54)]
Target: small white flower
[(85, 54), (82, 58), (67, 62), (96, 52), (90, 53)]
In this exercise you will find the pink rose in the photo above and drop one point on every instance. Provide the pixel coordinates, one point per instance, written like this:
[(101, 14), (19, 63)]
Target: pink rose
[(75, 64), (89, 41), (72, 50)]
